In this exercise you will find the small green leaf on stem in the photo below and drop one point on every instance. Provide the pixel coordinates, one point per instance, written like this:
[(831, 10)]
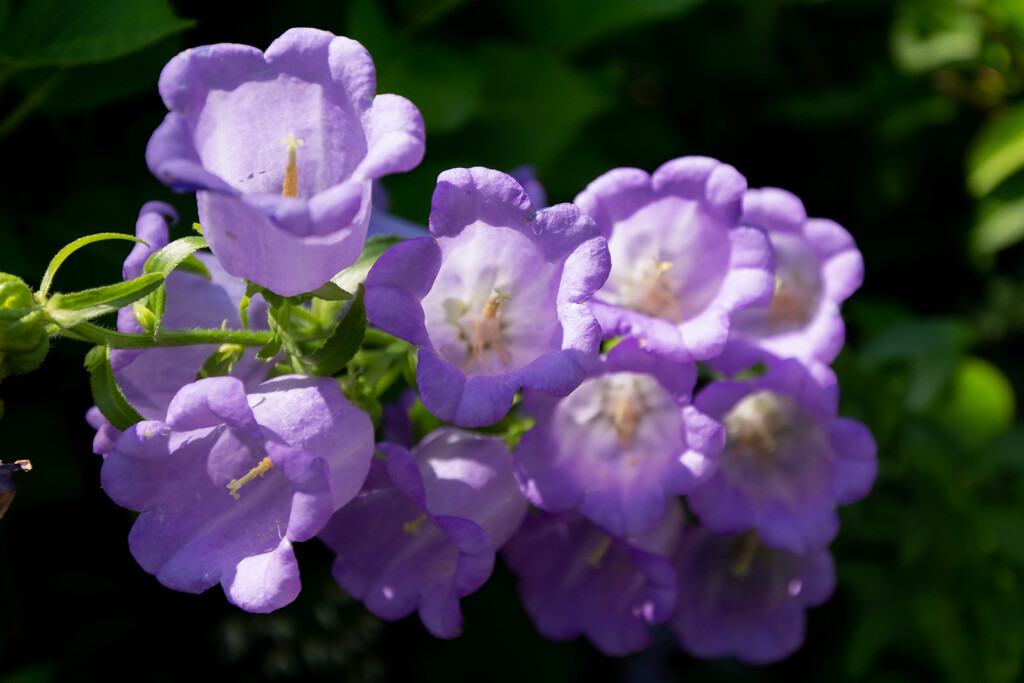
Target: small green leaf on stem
[(108, 396), (63, 254), (68, 310)]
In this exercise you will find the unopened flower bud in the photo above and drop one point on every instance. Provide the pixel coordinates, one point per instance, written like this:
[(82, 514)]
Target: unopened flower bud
[(23, 338)]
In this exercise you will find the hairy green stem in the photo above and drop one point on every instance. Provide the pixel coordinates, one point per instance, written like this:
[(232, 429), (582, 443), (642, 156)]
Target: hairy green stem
[(121, 340)]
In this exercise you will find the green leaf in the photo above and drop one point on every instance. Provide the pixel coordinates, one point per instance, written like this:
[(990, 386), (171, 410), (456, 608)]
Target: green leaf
[(166, 260), (568, 25), (1001, 228), (355, 275), (63, 254), (68, 310), (981, 403), (171, 256), (63, 32), (997, 151), (927, 35), (105, 392), (193, 265), (342, 345)]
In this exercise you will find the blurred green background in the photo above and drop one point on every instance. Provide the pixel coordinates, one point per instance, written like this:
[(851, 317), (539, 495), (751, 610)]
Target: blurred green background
[(901, 119)]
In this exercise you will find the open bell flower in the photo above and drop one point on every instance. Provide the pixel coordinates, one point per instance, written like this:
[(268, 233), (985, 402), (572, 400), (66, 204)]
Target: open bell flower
[(621, 445), (576, 579), (496, 299), (739, 598), (230, 481), (424, 530), (788, 459), (681, 261), (818, 266), (282, 148)]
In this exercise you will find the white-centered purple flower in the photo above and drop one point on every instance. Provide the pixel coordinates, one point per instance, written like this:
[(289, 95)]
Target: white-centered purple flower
[(788, 459), (575, 579), (424, 530), (818, 266), (229, 481), (150, 378), (681, 261), (282, 147), (621, 444), (739, 598), (496, 299)]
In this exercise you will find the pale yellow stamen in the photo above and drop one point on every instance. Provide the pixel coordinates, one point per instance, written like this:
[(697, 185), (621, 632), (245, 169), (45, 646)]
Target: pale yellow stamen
[(624, 419), (413, 527), (488, 330), (26, 465), (291, 172), (659, 298), (594, 559), (786, 305), (262, 468)]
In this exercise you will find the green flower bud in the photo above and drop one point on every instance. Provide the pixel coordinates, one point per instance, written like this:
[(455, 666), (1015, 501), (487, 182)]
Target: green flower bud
[(23, 338)]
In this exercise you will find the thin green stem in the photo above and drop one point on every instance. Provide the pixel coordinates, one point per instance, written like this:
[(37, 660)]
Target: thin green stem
[(121, 340)]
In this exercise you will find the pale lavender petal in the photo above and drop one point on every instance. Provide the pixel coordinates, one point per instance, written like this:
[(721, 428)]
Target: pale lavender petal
[(496, 301), (233, 112)]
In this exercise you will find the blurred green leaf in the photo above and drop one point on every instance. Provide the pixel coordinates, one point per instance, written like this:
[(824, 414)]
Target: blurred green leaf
[(444, 85), (58, 32), (926, 35), (981, 401), (1002, 228), (568, 25), (1008, 525), (997, 151), (929, 349), (92, 86), (537, 102)]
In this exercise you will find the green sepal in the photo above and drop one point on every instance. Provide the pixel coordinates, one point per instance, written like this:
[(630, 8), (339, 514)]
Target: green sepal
[(327, 291), (166, 260), (221, 361), (63, 254), (275, 315), (67, 310), (251, 290), (343, 343), (105, 392), (355, 275)]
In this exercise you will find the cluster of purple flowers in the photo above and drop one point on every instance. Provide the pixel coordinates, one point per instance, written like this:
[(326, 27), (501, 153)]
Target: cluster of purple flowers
[(635, 499)]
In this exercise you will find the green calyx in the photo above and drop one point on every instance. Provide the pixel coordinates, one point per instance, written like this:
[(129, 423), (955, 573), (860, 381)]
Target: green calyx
[(23, 338)]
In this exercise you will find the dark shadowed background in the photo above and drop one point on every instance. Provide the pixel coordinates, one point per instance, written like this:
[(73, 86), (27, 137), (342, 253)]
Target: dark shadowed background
[(903, 120)]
